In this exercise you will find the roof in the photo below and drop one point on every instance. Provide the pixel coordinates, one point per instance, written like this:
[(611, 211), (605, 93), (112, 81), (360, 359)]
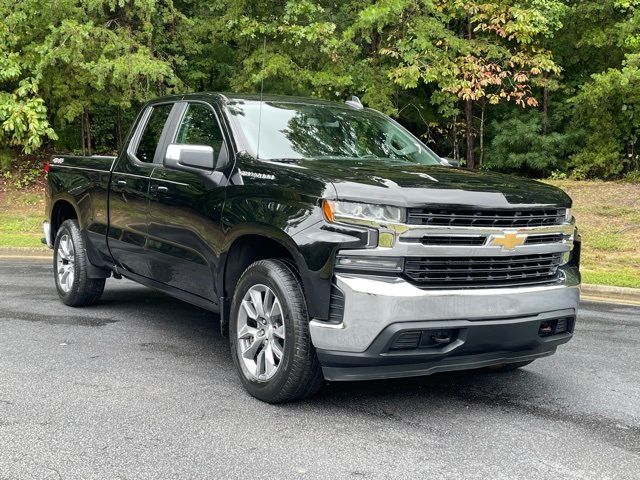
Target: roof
[(228, 97)]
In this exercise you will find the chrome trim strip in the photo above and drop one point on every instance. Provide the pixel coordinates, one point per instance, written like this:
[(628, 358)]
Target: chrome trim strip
[(410, 230), (419, 231), (406, 249)]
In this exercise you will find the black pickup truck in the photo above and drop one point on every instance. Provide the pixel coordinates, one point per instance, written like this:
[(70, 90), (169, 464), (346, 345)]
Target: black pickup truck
[(333, 243)]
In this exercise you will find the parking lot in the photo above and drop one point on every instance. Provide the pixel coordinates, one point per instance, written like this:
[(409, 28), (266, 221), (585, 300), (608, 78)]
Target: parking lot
[(142, 386)]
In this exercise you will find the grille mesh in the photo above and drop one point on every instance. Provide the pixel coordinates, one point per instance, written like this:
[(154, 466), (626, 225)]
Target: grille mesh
[(542, 239), (482, 271), (485, 218), (453, 240)]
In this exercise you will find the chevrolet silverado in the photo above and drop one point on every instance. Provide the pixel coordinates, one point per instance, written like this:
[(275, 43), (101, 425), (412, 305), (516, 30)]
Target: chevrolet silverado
[(333, 244)]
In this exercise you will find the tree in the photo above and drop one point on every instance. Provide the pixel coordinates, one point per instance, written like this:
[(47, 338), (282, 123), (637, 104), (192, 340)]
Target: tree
[(475, 50), (73, 56)]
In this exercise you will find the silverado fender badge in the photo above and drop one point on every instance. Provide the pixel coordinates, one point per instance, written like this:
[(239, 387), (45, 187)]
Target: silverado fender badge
[(57, 160), (261, 176)]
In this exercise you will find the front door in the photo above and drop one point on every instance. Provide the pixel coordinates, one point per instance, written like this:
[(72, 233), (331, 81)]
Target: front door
[(129, 192), (184, 213)]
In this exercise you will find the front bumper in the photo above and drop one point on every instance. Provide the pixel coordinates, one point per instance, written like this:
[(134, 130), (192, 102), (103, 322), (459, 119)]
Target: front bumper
[(487, 326)]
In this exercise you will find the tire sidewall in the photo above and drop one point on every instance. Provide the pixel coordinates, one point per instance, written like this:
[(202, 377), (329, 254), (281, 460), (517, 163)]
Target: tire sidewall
[(67, 228), (259, 273)]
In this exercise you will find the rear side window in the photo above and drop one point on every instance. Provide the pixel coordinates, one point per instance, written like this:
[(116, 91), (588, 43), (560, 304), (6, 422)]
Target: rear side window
[(200, 127), (152, 131)]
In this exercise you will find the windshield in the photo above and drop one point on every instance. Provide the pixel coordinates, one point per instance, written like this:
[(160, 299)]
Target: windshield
[(302, 131)]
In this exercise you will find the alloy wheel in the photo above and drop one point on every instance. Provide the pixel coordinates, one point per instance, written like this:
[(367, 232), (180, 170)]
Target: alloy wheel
[(65, 263), (260, 333)]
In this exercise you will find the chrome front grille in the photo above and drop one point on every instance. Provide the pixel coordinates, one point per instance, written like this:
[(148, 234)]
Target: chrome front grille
[(501, 218), (480, 240), (469, 272)]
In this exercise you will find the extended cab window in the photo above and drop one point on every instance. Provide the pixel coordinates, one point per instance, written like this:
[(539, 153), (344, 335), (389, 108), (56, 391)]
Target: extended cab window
[(152, 131), (200, 127)]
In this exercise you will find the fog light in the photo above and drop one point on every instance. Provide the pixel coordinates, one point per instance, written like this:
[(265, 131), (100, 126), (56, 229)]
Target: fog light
[(381, 264)]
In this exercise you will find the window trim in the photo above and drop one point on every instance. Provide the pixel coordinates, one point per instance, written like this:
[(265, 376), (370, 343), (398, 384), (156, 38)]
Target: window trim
[(175, 128), (140, 129)]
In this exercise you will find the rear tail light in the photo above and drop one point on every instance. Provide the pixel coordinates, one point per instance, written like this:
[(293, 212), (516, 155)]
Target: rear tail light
[(47, 166)]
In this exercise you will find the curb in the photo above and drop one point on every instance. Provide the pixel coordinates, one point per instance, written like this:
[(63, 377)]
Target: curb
[(25, 252), (611, 294)]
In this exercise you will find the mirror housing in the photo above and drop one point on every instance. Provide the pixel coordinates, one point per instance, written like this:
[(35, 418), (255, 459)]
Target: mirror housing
[(449, 162), (189, 157)]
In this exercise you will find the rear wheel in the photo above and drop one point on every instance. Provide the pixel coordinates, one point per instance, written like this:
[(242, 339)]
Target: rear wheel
[(74, 286), (269, 334), (507, 367)]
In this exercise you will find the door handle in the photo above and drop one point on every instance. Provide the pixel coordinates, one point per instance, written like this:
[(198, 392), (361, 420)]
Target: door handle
[(121, 183), (159, 189)]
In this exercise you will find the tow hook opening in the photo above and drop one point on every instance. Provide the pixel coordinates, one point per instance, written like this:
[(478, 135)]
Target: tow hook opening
[(555, 326), (414, 339)]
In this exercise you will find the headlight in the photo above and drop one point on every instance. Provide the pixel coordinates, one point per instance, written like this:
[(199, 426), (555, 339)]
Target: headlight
[(567, 215), (361, 213)]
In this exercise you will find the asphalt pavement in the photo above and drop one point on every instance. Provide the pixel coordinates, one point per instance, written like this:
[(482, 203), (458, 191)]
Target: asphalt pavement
[(142, 386)]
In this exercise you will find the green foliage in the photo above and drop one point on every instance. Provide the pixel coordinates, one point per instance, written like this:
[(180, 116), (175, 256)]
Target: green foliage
[(519, 145), (475, 49), (72, 73), (71, 56), (23, 118), (609, 107)]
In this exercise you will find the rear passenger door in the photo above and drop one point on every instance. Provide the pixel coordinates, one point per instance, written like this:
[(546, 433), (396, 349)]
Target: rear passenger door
[(129, 191), (185, 233)]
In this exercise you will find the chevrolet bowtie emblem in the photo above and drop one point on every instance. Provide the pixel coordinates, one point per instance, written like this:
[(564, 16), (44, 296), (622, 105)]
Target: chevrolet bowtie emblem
[(508, 241)]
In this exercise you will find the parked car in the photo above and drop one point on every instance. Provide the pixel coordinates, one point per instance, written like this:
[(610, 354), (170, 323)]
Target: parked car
[(332, 242)]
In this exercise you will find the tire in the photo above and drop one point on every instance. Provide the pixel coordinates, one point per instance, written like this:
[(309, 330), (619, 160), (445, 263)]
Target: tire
[(508, 367), (296, 374), (74, 286)]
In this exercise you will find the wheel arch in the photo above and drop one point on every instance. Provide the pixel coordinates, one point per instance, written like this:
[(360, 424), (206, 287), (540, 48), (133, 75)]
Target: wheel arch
[(61, 210), (248, 247)]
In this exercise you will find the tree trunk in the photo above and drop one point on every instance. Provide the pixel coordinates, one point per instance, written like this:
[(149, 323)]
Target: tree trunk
[(82, 135), (481, 133), (87, 131), (468, 111), (545, 108), (468, 114), (456, 146), (118, 129)]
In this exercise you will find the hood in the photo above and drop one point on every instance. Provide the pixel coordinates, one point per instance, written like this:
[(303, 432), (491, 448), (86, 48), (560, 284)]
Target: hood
[(417, 185)]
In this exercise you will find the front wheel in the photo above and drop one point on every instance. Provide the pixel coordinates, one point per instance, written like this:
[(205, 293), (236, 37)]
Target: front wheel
[(269, 334), (74, 286)]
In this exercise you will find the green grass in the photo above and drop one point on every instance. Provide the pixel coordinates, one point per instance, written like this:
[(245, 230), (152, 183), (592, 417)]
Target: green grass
[(620, 278), (608, 217), (607, 213), (21, 216), (21, 240)]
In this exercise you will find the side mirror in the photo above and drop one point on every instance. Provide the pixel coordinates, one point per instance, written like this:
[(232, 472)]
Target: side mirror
[(189, 157), (449, 162)]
